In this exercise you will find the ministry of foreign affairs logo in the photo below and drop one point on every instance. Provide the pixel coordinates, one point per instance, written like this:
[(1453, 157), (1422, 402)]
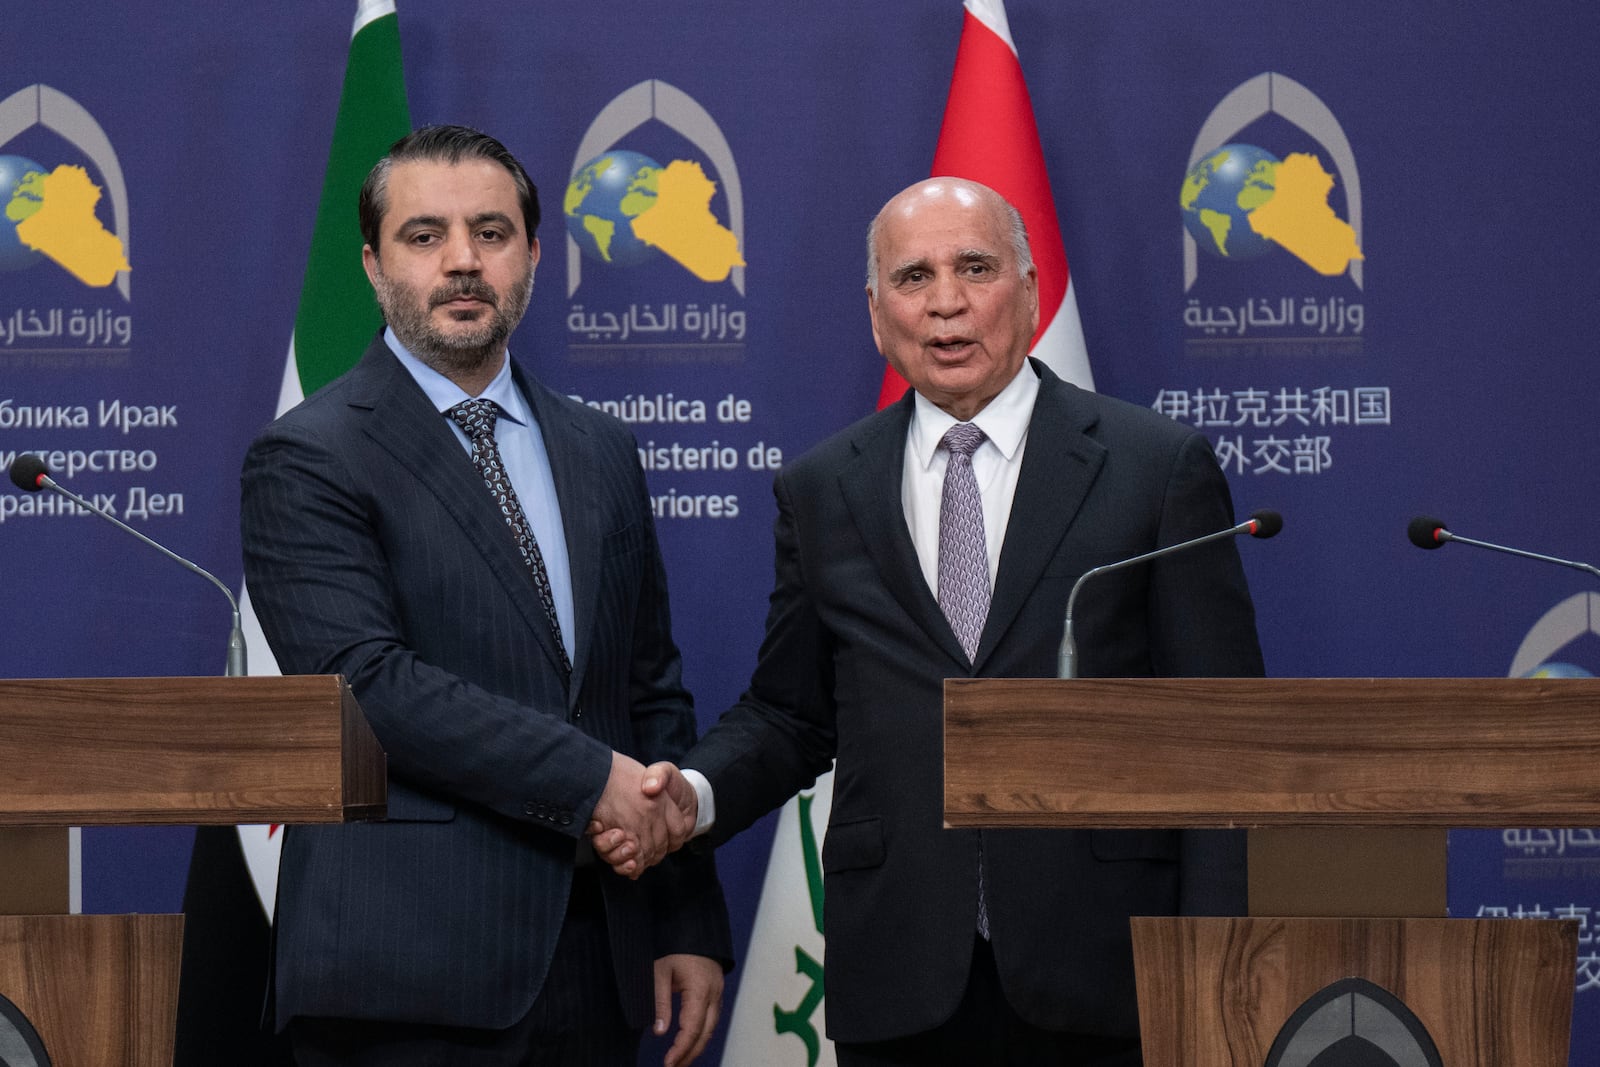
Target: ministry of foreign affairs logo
[(1353, 1023)]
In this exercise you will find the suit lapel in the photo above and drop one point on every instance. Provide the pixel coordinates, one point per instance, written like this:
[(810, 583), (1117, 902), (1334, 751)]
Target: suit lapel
[(406, 425), (871, 489), (576, 478), (1058, 467)]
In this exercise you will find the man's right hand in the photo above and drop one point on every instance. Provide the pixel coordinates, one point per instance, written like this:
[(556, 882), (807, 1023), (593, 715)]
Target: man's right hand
[(644, 813)]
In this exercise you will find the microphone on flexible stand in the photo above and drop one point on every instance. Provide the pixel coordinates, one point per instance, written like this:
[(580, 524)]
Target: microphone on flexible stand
[(29, 473), (1262, 524), (1428, 532)]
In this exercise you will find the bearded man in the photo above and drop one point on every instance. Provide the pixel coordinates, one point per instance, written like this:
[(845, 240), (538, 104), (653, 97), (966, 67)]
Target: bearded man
[(476, 554)]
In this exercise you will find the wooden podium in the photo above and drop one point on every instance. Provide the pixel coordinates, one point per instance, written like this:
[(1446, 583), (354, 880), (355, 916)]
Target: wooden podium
[(1349, 786), (103, 989)]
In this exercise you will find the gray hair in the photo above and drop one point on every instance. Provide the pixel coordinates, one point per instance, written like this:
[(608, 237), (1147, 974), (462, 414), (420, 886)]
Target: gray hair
[(1020, 249)]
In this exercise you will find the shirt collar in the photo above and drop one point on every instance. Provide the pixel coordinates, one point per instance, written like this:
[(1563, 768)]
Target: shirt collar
[(444, 394), (1004, 420)]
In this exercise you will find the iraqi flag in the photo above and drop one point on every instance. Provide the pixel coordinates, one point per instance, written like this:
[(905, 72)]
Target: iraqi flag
[(777, 1015), (989, 136), (233, 874)]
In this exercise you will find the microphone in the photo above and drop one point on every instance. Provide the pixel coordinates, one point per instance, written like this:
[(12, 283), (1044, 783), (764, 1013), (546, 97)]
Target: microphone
[(1262, 524), (1428, 532), (29, 473)]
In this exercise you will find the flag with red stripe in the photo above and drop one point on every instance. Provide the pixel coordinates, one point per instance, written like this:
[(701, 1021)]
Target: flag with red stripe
[(989, 136)]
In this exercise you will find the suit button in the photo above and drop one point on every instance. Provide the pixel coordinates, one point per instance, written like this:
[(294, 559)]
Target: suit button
[(577, 713), (566, 818), (530, 808)]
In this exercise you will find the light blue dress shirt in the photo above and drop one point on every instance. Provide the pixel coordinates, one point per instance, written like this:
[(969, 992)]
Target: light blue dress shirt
[(526, 461)]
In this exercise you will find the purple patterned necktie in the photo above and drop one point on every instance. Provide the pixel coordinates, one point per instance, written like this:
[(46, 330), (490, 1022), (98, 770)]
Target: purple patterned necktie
[(477, 419), (963, 556), (964, 568)]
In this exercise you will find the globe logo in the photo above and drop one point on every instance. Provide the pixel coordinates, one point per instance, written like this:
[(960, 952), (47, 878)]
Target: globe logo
[(1552, 669), (16, 204), (1221, 191), (602, 200)]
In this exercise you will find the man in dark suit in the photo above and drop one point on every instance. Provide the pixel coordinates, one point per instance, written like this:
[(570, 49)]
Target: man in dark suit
[(940, 538), (477, 555)]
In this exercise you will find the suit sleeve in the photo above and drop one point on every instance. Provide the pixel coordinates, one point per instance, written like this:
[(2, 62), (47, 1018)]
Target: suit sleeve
[(780, 735), (689, 911), (1204, 625), (660, 708), (1202, 621), (326, 597)]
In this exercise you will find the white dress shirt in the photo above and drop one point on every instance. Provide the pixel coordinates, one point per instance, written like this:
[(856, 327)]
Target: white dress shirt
[(996, 465)]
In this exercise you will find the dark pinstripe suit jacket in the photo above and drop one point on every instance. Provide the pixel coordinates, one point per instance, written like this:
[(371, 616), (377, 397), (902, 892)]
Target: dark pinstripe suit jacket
[(853, 666), (373, 550)]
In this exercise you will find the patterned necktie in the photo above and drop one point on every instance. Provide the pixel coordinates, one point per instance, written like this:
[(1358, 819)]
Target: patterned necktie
[(477, 419), (964, 569), (963, 557)]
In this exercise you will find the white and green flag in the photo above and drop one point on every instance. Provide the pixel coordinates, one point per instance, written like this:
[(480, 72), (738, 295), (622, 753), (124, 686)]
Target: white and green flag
[(777, 1016), (227, 925), (338, 315)]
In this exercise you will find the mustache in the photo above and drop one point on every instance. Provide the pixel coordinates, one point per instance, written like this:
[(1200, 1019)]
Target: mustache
[(476, 288)]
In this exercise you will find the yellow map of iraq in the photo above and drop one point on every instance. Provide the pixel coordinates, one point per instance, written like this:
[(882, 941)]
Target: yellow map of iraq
[(54, 214), (1298, 217), (680, 223)]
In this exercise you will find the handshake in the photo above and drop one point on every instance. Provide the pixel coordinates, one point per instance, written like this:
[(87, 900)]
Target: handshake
[(644, 814)]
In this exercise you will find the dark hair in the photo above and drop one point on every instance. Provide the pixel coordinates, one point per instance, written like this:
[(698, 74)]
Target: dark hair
[(442, 144)]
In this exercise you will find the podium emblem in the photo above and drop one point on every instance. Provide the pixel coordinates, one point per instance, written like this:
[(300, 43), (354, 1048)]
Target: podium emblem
[(19, 1042), (1353, 1023)]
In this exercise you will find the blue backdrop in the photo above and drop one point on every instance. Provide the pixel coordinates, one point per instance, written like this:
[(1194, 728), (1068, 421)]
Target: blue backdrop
[(1451, 372)]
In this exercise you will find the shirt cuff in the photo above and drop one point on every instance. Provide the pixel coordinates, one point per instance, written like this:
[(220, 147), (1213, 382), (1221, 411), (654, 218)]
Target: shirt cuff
[(707, 815)]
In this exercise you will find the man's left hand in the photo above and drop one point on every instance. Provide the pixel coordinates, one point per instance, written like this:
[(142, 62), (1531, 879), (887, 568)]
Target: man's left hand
[(697, 981)]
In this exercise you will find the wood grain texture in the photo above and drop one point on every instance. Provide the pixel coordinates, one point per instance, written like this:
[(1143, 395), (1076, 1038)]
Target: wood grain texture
[(1227, 752), (1491, 993), (99, 989), (140, 751)]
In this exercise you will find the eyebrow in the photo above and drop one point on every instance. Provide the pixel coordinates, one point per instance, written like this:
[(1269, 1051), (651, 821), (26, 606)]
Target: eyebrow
[(898, 274), (491, 216), (417, 222), (966, 255)]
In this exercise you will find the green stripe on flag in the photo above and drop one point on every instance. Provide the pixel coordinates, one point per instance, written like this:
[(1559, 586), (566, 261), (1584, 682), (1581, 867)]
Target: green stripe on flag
[(337, 315)]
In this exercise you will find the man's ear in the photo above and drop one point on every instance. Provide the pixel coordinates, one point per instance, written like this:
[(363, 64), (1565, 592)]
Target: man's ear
[(872, 315)]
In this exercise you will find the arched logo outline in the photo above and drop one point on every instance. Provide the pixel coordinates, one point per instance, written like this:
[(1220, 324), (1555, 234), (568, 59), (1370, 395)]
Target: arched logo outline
[(1353, 1009), (1569, 620), (40, 105), (1277, 94), (681, 113), (20, 1045)]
